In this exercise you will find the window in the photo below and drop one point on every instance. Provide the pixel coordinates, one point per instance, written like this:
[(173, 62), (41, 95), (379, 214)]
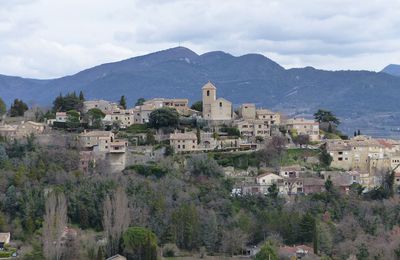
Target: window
[(208, 93), (179, 146), (183, 146), (220, 104)]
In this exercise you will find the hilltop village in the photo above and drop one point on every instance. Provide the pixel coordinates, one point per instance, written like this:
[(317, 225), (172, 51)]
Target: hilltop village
[(258, 152), (123, 137)]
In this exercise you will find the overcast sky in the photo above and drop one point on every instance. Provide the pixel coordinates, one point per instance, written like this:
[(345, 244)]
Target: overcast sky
[(52, 38)]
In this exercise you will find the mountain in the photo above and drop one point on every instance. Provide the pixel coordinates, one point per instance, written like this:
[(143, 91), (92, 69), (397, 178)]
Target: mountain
[(180, 72), (392, 69)]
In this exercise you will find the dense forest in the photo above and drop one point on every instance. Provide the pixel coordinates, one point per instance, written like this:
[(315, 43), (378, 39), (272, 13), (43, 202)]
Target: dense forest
[(180, 204)]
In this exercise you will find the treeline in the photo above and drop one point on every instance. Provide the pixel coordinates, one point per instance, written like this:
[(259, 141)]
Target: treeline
[(188, 207)]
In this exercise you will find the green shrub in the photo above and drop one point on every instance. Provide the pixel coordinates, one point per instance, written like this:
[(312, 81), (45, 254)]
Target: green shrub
[(148, 170)]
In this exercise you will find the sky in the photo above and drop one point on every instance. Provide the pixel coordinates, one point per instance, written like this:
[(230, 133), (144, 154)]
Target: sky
[(48, 38)]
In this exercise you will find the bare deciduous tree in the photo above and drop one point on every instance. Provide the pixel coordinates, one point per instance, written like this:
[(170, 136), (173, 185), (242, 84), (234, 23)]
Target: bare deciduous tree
[(116, 219), (233, 241), (55, 220), (273, 151)]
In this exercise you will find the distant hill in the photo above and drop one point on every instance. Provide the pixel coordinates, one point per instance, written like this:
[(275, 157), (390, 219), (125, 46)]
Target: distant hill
[(180, 72), (392, 69)]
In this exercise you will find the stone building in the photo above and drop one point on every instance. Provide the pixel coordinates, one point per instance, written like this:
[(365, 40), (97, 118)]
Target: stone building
[(215, 108), (373, 158), (180, 104), (124, 118), (183, 142), (104, 105), (97, 140), (103, 146), (269, 117), (142, 113), (304, 127), (21, 130), (247, 111), (250, 128)]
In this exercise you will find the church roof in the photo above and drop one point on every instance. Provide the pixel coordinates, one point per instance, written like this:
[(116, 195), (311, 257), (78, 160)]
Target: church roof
[(223, 100), (209, 85)]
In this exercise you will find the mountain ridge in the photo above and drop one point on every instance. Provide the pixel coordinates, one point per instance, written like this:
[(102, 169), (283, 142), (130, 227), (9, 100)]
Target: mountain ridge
[(392, 69), (180, 72)]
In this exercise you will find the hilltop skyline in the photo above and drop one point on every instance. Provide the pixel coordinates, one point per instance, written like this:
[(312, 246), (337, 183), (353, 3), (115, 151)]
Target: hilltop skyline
[(336, 35)]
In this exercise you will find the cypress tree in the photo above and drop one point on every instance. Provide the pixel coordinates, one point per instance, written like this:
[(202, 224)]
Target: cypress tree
[(81, 97), (122, 102), (315, 238)]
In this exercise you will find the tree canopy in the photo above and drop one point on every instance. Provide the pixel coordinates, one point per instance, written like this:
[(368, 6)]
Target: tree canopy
[(139, 243), (73, 119), (68, 102), (81, 96), (198, 106), (94, 117), (3, 108), (18, 108), (268, 252), (140, 101), (163, 117), (325, 116), (122, 102)]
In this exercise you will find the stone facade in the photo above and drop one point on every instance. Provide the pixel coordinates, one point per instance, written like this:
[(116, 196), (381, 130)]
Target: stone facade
[(103, 105), (247, 111), (269, 117), (183, 142), (253, 128), (180, 104), (304, 127), (142, 113), (97, 140), (213, 108), (22, 130), (371, 157), (125, 118)]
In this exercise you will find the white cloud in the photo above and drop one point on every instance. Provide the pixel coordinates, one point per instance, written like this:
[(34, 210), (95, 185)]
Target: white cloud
[(45, 38)]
